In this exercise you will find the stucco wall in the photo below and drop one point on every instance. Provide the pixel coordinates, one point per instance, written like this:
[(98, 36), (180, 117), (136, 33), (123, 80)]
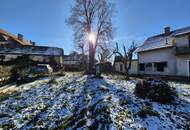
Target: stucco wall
[(160, 55), (182, 65)]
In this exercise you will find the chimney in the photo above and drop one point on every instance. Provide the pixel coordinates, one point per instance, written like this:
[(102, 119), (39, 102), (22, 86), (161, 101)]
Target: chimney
[(32, 43), (20, 37), (167, 31)]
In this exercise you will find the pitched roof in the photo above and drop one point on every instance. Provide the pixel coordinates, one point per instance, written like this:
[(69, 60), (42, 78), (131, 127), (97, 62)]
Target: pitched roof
[(14, 37), (161, 40)]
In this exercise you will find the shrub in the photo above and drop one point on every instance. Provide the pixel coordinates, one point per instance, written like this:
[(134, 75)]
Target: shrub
[(21, 67), (155, 90)]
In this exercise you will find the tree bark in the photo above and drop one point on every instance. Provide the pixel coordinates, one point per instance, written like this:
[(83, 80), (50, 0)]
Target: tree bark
[(91, 59)]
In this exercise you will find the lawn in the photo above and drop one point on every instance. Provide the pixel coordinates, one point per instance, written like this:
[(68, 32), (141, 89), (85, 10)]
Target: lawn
[(81, 101)]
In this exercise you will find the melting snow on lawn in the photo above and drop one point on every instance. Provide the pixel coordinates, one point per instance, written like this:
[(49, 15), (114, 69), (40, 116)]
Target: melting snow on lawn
[(78, 101)]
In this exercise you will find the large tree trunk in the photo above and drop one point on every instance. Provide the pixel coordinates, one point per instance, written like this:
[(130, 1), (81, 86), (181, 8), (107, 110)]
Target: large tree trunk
[(126, 70), (91, 59)]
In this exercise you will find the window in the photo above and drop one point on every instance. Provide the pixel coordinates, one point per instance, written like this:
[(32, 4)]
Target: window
[(160, 66), (141, 67), (148, 67)]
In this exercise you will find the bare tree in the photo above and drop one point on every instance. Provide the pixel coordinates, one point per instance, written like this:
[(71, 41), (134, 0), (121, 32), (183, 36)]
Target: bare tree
[(127, 57), (92, 25), (104, 53)]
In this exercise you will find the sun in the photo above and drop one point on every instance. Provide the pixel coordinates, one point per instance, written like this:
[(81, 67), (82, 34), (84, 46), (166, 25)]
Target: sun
[(91, 37)]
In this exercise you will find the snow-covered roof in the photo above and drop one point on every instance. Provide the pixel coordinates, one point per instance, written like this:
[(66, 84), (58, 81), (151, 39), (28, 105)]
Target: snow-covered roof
[(32, 50), (162, 40)]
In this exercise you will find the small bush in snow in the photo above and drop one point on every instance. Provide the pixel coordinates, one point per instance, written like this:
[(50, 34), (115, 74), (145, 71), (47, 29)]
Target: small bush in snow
[(155, 90)]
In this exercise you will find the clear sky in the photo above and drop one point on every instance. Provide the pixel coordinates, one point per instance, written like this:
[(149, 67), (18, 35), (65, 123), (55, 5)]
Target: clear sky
[(43, 21)]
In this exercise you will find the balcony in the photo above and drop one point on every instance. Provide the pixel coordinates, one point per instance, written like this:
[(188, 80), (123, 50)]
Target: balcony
[(183, 50)]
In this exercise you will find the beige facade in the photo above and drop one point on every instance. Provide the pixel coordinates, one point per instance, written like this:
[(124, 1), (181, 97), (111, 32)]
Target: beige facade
[(119, 67)]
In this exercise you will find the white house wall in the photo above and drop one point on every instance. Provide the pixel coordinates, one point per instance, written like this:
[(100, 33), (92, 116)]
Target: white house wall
[(160, 55), (182, 65)]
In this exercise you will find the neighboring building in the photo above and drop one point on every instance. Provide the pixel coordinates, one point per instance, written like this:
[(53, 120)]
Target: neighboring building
[(166, 54), (12, 46), (120, 68), (105, 67), (75, 62)]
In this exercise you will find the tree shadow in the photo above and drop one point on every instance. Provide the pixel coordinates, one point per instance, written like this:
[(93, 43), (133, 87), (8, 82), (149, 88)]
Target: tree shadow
[(92, 109)]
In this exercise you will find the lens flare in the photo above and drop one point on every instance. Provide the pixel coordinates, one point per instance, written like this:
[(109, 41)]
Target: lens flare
[(91, 38)]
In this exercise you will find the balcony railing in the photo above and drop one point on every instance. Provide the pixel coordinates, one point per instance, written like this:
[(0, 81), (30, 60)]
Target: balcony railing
[(182, 50)]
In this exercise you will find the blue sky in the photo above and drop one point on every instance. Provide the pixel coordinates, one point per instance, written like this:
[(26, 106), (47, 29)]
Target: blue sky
[(43, 21)]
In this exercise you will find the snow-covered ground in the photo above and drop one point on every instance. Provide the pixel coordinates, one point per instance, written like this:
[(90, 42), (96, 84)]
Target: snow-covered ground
[(78, 101)]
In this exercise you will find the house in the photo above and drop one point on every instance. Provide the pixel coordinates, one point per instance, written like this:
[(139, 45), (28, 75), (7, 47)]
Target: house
[(12, 46), (166, 54), (120, 68), (75, 62)]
